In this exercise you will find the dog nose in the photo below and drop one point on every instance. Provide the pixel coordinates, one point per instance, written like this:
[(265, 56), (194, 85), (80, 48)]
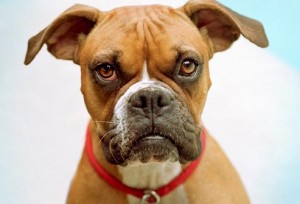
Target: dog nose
[(151, 100)]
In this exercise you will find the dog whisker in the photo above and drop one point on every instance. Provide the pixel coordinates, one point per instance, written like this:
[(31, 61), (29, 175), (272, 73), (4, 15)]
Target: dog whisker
[(103, 121), (123, 159), (112, 153), (103, 136)]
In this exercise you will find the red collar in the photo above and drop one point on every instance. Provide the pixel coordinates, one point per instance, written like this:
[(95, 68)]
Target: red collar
[(151, 195)]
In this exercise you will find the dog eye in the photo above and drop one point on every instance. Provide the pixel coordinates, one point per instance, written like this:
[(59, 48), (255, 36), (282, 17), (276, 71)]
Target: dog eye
[(188, 67), (106, 72)]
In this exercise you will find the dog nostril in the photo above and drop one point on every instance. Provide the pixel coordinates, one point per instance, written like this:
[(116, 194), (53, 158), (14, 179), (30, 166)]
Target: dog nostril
[(163, 100), (143, 101), (139, 101)]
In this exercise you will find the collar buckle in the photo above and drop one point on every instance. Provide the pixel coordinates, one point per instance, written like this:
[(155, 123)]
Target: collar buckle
[(150, 196)]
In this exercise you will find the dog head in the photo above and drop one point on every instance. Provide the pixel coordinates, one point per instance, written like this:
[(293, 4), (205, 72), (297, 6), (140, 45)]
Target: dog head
[(144, 71)]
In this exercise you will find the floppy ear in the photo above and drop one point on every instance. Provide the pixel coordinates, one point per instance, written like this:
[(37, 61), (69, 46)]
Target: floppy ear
[(223, 26), (61, 36)]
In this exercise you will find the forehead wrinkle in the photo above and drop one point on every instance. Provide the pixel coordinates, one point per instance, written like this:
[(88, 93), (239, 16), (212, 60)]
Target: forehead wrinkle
[(153, 18), (156, 24)]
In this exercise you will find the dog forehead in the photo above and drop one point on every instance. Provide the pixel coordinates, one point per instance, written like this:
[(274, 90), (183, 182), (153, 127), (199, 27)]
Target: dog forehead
[(129, 14), (148, 26), (140, 10), (140, 33)]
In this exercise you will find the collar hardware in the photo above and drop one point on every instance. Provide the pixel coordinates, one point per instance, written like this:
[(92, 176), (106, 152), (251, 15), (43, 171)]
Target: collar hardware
[(150, 197)]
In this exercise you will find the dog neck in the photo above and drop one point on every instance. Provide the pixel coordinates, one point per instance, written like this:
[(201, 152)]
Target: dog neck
[(149, 175), (152, 176)]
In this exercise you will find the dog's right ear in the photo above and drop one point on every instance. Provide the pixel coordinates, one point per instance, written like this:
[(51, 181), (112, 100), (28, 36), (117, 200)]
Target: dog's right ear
[(61, 36)]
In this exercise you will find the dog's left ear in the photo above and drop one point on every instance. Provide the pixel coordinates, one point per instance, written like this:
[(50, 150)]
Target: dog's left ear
[(62, 35), (222, 25)]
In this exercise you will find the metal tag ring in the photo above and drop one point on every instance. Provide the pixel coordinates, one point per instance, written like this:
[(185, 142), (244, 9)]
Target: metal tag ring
[(150, 194)]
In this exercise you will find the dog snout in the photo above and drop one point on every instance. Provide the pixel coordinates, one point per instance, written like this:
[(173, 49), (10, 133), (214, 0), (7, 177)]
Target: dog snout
[(151, 100)]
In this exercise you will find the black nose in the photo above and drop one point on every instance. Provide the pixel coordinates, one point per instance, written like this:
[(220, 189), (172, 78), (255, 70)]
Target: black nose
[(151, 100)]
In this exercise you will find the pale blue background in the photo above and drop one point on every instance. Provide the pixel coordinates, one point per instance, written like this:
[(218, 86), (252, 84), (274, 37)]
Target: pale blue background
[(281, 20), (255, 100)]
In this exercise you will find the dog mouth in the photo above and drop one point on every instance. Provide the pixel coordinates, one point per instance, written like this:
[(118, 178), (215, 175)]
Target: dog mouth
[(153, 137), (159, 146), (153, 147)]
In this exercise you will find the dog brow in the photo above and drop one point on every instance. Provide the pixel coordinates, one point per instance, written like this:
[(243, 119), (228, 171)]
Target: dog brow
[(108, 55), (185, 50)]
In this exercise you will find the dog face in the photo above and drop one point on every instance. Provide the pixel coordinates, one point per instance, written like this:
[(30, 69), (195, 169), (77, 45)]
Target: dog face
[(148, 84), (145, 72)]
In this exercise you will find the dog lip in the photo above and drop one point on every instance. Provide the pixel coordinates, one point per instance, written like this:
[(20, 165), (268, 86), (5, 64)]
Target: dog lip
[(157, 146), (154, 136)]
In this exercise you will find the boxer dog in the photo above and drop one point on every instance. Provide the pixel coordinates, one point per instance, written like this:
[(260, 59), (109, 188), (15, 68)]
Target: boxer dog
[(145, 78)]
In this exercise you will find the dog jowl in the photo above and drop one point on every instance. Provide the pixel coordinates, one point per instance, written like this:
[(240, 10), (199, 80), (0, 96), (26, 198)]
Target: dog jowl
[(144, 72)]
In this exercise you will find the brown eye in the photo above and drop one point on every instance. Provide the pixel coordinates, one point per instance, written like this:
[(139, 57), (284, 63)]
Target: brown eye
[(188, 67), (106, 72)]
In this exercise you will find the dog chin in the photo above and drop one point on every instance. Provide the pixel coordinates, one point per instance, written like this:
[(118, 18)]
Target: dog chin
[(153, 149)]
